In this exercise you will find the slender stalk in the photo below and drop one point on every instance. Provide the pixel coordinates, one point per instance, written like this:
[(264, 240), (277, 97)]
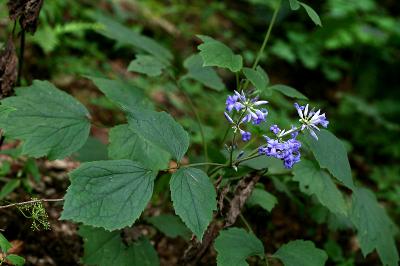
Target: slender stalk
[(193, 164), (246, 223), (267, 35), (29, 202), (196, 114), (266, 38), (248, 158)]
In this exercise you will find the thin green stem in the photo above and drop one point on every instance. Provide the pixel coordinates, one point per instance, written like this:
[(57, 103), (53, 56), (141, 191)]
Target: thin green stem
[(247, 158), (266, 38), (246, 223), (193, 164), (267, 35), (196, 114)]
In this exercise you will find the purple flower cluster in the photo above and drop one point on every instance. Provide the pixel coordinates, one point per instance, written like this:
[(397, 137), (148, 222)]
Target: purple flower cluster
[(288, 151), (310, 119), (247, 110), (283, 145)]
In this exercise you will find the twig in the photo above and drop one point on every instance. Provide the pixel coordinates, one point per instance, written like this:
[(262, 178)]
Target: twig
[(29, 202), (21, 57)]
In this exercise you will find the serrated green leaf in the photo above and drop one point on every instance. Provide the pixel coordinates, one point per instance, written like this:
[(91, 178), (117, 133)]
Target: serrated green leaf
[(203, 74), (4, 244), (316, 181), (160, 129), (15, 260), (108, 194), (331, 154), (258, 77), (262, 198), (375, 230), (294, 4), (49, 121), (235, 245), (312, 14), (92, 150), (170, 225), (103, 248), (147, 64), (301, 253), (215, 53), (125, 36), (9, 187), (122, 93), (126, 144), (288, 91), (194, 198)]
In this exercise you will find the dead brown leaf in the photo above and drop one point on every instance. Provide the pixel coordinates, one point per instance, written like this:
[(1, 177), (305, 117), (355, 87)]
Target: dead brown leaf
[(8, 69), (27, 11)]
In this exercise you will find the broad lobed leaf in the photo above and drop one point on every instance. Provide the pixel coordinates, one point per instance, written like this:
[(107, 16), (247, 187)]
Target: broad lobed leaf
[(108, 194), (126, 144), (215, 53), (374, 227), (160, 129), (332, 155), (203, 74), (235, 245), (301, 253), (194, 198), (316, 181), (103, 248), (49, 121)]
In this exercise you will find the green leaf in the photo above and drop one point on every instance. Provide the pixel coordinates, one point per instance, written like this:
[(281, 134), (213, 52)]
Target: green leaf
[(331, 154), (257, 77), (9, 187), (194, 198), (235, 245), (48, 120), (294, 4), (262, 198), (160, 129), (288, 91), (125, 36), (102, 248), (147, 64), (316, 181), (4, 244), (301, 253), (92, 150), (203, 74), (126, 144), (122, 93), (15, 260), (170, 225), (312, 14), (109, 194), (374, 227), (215, 53)]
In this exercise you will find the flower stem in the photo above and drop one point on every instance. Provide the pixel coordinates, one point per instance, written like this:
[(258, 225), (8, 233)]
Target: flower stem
[(267, 35)]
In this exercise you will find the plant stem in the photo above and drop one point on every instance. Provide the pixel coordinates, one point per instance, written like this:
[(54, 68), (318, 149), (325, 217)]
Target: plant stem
[(196, 114), (246, 223), (248, 158), (29, 202), (267, 35), (266, 38)]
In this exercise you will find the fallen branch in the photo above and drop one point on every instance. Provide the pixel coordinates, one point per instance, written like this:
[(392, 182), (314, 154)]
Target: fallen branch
[(29, 202)]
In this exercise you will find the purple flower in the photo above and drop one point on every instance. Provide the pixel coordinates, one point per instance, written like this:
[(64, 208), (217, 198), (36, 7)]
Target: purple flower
[(311, 120), (275, 129), (228, 118), (248, 108), (287, 151), (246, 136)]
